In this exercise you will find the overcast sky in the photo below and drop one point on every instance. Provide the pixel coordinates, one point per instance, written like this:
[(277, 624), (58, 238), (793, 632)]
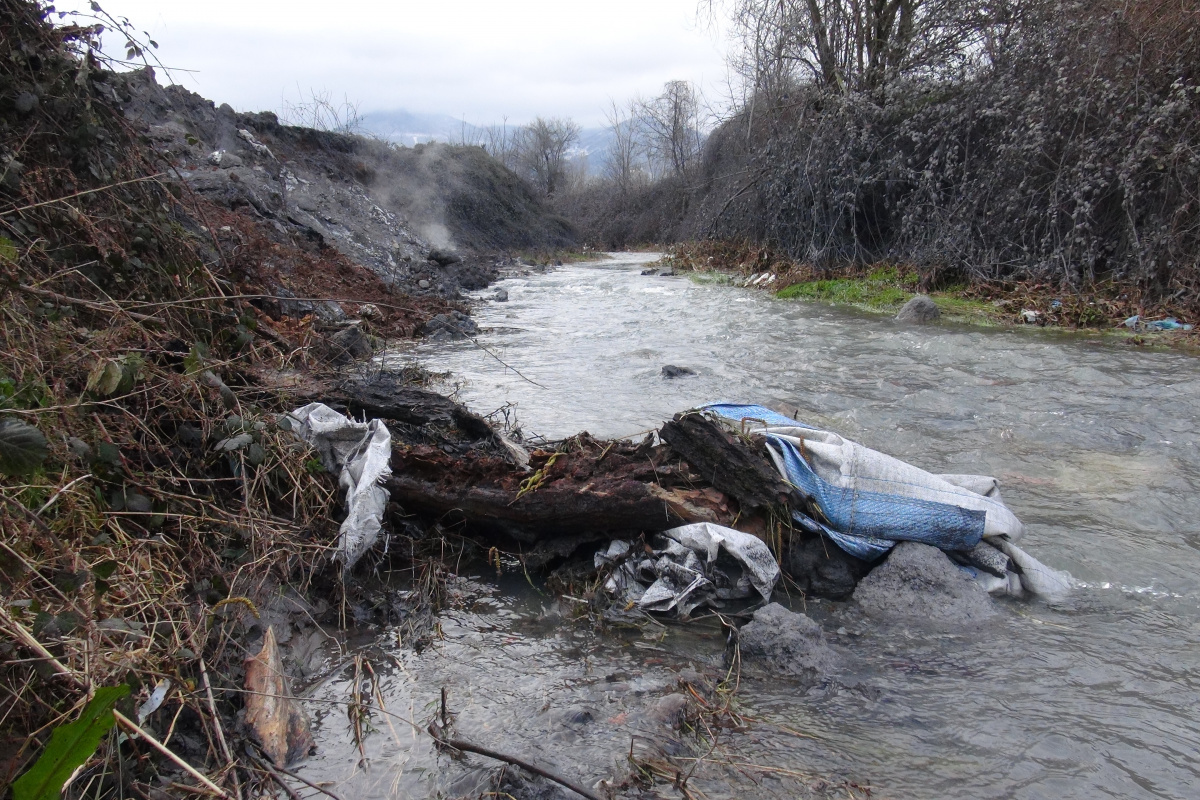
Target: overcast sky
[(467, 58)]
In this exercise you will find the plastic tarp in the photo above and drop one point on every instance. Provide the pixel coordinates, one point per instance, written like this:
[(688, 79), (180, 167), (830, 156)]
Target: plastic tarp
[(360, 453), (690, 566), (868, 500)]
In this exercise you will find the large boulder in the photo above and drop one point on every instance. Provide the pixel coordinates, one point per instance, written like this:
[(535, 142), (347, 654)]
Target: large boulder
[(921, 310), (786, 643), (919, 583)]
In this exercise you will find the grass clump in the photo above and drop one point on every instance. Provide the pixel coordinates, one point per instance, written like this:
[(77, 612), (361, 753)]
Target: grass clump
[(875, 295)]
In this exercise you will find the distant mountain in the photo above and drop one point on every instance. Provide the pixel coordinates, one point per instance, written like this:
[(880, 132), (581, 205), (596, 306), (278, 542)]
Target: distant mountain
[(409, 128)]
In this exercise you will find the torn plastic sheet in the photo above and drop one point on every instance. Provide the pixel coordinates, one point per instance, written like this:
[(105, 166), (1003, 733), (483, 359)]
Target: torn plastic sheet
[(360, 453), (690, 566), (868, 501)]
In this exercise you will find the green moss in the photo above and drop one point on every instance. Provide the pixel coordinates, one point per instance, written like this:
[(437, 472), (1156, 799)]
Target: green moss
[(870, 292), (885, 291), (965, 310)]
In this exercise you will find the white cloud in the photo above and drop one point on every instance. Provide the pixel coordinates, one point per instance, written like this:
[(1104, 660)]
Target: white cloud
[(481, 60)]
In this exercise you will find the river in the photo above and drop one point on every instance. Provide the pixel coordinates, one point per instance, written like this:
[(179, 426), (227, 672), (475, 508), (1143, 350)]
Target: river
[(1095, 443)]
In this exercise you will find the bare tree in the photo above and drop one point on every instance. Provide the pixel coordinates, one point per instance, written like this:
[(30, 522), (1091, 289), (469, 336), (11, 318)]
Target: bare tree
[(543, 146), (861, 45), (671, 123), (469, 135), (625, 146), (501, 141)]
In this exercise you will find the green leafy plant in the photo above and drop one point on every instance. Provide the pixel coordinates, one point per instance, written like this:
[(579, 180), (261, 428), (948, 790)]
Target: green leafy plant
[(70, 745), (22, 447)]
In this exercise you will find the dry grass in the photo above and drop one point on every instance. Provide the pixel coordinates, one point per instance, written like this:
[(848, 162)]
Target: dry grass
[(132, 552)]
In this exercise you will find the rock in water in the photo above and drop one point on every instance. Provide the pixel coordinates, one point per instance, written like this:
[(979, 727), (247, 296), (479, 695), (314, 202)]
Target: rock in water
[(277, 722), (822, 569), (786, 643), (920, 310), (454, 324), (918, 582), (672, 371)]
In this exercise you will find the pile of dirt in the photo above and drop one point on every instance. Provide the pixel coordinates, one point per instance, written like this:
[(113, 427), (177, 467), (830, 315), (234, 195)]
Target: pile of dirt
[(425, 219)]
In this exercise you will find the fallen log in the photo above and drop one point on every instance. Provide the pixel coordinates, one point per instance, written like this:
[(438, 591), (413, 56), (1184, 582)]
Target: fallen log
[(601, 490), (388, 397), (610, 510), (728, 464)]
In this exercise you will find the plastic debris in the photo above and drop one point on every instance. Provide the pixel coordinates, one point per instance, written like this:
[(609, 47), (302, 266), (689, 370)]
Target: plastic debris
[(1030, 317), (360, 452), (867, 501), (1168, 324), (690, 566), (153, 701), (1136, 323)]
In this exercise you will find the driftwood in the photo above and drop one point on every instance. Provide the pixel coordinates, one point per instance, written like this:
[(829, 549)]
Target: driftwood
[(591, 489), (387, 397), (598, 489), (728, 463)]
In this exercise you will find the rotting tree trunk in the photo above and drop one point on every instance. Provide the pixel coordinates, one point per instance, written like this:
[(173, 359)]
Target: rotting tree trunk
[(727, 463), (590, 488), (553, 511)]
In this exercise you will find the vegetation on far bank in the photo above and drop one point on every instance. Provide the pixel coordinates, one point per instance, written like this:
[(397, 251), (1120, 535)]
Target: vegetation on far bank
[(885, 288), (1031, 151)]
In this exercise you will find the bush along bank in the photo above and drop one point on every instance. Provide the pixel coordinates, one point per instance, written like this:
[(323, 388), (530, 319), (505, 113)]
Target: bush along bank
[(159, 521), (886, 288)]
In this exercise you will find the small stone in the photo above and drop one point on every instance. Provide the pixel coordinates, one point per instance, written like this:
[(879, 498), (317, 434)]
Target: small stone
[(672, 371), (424, 284), (26, 102), (670, 710), (822, 569), (921, 310), (10, 174)]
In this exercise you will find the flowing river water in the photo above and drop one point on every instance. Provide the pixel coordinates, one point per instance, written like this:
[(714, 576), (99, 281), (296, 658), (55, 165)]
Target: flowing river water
[(1096, 447)]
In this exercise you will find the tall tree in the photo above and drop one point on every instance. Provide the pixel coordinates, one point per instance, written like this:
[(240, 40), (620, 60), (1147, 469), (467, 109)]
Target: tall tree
[(543, 146), (861, 45), (671, 123), (624, 147)]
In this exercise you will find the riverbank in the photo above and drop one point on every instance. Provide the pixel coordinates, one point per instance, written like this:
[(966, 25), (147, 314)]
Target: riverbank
[(175, 278), (885, 288)]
